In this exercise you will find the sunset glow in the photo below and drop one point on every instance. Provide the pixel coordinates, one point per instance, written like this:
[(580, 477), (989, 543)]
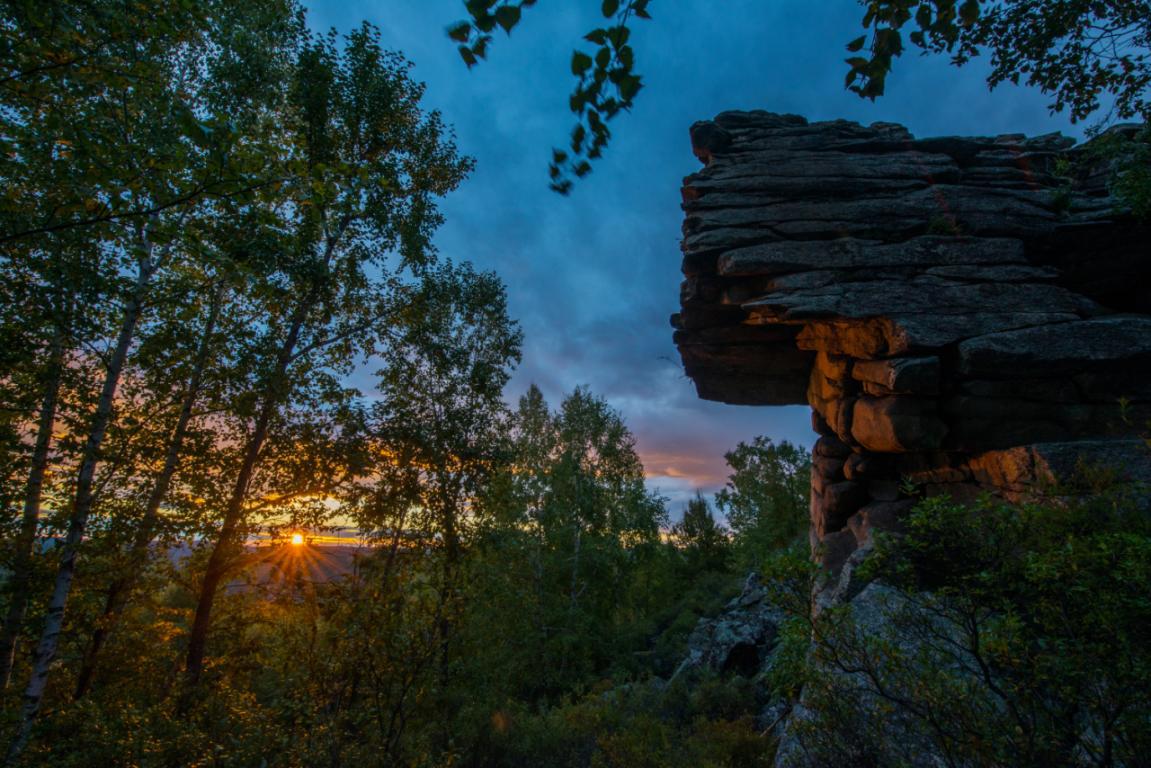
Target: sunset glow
[(297, 539)]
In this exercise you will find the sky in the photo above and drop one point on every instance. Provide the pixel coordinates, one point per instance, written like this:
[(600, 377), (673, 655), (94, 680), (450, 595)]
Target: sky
[(594, 277)]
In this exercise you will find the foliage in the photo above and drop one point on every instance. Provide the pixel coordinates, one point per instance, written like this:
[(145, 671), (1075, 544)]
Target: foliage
[(1072, 50), (1127, 156), (765, 500), (704, 542), (212, 215), (1076, 51), (568, 524), (87, 86), (606, 80), (996, 635), (708, 724)]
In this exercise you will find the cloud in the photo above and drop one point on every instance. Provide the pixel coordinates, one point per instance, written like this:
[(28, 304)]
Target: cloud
[(593, 278)]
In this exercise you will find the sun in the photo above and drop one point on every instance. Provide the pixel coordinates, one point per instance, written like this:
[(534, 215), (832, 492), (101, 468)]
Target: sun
[(297, 539)]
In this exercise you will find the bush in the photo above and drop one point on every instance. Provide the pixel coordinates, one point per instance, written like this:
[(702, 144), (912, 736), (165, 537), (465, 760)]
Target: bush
[(993, 635)]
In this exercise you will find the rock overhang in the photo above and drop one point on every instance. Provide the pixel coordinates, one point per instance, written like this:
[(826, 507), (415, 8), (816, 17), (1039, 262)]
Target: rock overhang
[(865, 241), (938, 303)]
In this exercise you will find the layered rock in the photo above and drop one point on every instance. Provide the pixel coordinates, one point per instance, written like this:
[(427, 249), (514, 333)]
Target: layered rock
[(740, 640), (963, 315)]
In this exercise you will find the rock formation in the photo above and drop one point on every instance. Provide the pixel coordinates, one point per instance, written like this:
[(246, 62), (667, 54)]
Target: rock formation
[(963, 315), (740, 640)]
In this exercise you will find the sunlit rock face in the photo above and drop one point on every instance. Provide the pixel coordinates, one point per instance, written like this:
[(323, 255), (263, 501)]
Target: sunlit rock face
[(963, 315)]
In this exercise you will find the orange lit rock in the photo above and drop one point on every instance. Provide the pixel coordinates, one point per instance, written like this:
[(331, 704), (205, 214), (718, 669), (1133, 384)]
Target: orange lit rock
[(958, 320), (896, 424)]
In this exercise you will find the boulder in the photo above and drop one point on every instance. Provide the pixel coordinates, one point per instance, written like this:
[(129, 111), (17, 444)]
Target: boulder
[(878, 516), (739, 640), (707, 139), (959, 316), (1116, 342), (1046, 465), (897, 424), (838, 502), (835, 549), (901, 375)]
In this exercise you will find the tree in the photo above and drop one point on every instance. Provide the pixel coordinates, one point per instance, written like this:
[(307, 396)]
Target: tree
[(147, 525), (704, 542), (441, 430), (1072, 50), (122, 147), (442, 386), (564, 524), (85, 86), (765, 500), (993, 635), (365, 667), (362, 215)]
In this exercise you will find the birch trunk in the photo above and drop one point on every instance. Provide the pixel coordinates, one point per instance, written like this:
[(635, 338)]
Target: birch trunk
[(222, 554), (21, 580), (120, 590), (220, 560), (81, 507)]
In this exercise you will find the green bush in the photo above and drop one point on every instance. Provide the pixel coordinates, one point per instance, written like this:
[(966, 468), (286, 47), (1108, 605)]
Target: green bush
[(996, 635)]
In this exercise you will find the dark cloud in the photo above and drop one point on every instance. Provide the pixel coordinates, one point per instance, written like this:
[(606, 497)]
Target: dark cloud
[(593, 278)]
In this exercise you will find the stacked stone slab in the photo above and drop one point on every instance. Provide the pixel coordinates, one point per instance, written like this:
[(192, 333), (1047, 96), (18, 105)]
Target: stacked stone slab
[(963, 315)]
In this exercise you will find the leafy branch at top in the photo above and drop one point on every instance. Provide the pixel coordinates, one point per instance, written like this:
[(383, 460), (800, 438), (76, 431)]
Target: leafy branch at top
[(1076, 51), (1072, 50), (606, 80)]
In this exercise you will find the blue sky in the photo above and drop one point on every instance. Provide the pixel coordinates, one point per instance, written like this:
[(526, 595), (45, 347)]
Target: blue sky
[(592, 278)]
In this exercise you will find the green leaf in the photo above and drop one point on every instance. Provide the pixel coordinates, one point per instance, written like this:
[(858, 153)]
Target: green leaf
[(507, 16), (857, 43), (581, 62), (579, 133), (626, 57), (609, 8), (923, 16), (888, 42), (618, 36), (478, 7), (629, 86), (597, 36), (486, 22), (969, 12), (460, 31)]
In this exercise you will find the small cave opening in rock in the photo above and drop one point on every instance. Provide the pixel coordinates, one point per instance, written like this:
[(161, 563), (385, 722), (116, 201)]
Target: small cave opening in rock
[(743, 660)]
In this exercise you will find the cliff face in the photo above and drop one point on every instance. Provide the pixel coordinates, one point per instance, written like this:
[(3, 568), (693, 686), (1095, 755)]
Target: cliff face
[(962, 314)]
